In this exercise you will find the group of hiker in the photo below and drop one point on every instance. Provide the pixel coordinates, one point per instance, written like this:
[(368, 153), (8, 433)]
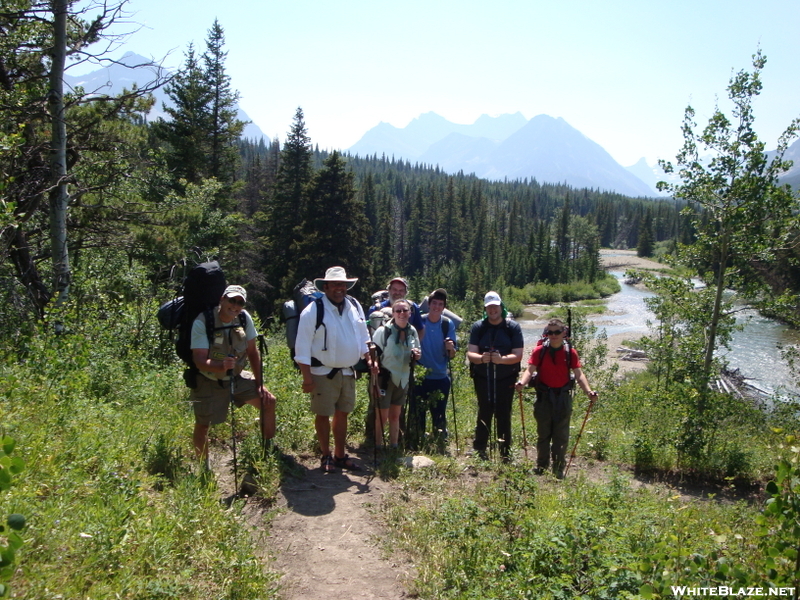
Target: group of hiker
[(335, 340)]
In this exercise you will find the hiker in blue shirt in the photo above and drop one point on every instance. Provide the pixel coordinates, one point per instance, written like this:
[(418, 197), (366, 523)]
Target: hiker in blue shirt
[(438, 348)]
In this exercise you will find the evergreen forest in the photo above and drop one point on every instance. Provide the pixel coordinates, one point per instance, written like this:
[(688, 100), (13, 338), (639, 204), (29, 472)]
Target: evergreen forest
[(103, 211)]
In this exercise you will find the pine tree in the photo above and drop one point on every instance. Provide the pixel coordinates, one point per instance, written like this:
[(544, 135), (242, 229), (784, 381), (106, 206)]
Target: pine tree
[(185, 133), (225, 129), (288, 204), (334, 228)]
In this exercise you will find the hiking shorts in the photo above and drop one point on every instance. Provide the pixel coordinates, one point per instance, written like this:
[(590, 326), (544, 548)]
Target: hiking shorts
[(394, 396), (330, 395), (210, 400)]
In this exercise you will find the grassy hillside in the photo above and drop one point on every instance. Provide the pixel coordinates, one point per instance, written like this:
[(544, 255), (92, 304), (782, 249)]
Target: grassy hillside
[(117, 508)]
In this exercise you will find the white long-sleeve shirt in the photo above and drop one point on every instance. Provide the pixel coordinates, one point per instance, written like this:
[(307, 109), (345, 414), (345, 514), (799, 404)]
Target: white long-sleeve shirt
[(340, 342)]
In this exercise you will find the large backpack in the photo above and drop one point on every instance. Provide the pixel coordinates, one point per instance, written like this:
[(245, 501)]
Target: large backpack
[(303, 294), (200, 293)]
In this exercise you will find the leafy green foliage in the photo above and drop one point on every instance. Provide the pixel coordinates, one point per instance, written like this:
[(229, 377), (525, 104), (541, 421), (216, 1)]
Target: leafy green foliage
[(740, 214), (10, 540), (779, 526), (103, 430)]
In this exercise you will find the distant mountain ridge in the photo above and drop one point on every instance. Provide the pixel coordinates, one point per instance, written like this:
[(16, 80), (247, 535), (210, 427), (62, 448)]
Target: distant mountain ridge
[(131, 69), (508, 146)]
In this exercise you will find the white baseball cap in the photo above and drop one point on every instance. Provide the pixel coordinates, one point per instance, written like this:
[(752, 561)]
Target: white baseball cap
[(492, 298)]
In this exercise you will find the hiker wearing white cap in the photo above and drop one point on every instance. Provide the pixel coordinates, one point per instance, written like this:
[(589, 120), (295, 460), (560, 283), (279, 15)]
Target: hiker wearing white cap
[(494, 352), (326, 351), (224, 356)]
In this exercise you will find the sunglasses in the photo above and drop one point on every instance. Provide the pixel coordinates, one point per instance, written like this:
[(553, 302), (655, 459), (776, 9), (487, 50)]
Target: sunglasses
[(400, 310), (555, 331), (237, 301)]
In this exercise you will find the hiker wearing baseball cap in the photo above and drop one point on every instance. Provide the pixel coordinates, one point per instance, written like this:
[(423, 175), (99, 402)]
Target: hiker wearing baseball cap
[(494, 352), (398, 290), (224, 357), (326, 351)]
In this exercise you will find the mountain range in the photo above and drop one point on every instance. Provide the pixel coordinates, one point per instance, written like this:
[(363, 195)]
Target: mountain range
[(134, 69), (509, 146), (496, 148)]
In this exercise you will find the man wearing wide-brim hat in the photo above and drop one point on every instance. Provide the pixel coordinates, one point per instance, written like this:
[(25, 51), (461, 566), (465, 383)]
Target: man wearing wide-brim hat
[(326, 355)]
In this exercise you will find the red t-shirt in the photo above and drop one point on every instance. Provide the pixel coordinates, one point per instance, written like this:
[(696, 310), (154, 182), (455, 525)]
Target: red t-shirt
[(553, 372)]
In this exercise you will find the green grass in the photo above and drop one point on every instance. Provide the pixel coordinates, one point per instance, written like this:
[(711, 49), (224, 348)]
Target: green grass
[(113, 507), (116, 509)]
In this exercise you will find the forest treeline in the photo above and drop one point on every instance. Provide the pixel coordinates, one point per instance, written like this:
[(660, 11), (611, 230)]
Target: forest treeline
[(162, 195)]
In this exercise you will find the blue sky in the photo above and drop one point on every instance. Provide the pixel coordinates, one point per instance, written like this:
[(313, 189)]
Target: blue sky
[(620, 71)]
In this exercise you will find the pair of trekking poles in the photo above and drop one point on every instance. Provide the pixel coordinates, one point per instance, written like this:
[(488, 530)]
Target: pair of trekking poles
[(375, 393), (577, 439)]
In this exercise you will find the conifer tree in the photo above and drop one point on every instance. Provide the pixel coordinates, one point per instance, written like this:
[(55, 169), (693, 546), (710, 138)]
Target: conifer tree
[(288, 203), (334, 228), (185, 133), (225, 129)]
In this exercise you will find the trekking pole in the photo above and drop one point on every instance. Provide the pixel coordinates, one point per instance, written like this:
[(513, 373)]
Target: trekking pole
[(375, 392), (496, 445), (524, 435), (409, 398), (580, 433), (453, 401), (262, 347), (233, 432)]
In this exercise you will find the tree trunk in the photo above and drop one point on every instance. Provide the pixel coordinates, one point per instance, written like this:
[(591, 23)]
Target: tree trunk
[(59, 197)]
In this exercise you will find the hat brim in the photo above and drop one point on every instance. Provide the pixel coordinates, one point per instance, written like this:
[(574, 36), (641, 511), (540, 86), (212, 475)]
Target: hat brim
[(493, 303), (319, 282)]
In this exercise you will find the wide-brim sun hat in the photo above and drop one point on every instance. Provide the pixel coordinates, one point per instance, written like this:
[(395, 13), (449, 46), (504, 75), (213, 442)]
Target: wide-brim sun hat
[(492, 298), (335, 274)]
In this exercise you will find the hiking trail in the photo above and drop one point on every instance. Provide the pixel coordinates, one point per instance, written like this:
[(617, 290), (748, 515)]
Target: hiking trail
[(326, 536)]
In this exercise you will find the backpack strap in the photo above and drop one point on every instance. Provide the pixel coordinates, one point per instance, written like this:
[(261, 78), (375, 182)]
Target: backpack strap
[(446, 329), (315, 362), (567, 357)]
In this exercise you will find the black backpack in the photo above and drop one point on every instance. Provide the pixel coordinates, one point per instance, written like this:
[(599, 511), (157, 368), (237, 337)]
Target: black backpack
[(200, 293)]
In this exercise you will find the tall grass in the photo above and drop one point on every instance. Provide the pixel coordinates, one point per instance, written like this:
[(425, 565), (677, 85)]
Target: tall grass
[(113, 505), (117, 508)]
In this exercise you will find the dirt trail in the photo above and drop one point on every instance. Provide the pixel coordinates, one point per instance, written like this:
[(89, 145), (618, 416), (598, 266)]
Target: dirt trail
[(326, 538), (327, 541)]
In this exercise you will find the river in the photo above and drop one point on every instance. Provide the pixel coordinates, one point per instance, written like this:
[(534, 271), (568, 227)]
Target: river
[(754, 350)]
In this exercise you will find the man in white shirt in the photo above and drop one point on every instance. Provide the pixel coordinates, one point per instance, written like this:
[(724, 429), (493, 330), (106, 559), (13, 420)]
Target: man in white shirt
[(326, 351)]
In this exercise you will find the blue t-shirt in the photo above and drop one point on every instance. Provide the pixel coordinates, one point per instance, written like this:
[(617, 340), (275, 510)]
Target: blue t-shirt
[(434, 356)]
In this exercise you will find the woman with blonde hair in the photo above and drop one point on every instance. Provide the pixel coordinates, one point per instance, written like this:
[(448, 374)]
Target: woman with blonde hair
[(398, 345)]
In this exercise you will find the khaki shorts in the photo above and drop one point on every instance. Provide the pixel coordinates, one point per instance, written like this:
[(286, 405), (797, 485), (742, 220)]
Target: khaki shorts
[(393, 396), (330, 395), (210, 400)]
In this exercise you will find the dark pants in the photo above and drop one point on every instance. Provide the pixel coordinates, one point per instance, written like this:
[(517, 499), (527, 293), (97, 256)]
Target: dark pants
[(552, 410), (495, 400), (430, 394)]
